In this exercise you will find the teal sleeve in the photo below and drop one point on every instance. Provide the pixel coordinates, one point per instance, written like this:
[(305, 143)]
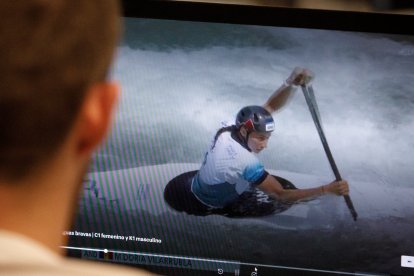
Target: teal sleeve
[(255, 173)]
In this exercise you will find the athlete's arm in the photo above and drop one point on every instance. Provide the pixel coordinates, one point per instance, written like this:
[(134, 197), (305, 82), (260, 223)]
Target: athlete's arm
[(299, 76), (273, 188)]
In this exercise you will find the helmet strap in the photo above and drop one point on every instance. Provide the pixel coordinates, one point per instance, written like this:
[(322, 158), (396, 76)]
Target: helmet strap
[(247, 139)]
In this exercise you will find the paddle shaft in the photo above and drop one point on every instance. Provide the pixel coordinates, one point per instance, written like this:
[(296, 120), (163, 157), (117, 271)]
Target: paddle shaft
[(314, 112)]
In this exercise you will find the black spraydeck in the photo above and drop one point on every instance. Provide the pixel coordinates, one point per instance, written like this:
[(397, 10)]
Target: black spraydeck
[(254, 203)]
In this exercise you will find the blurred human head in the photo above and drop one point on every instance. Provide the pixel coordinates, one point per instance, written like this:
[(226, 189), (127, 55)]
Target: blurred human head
[(51, 52)]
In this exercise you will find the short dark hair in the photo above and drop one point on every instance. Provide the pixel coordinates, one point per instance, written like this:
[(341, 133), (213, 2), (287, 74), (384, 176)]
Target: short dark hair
[(51, 51)]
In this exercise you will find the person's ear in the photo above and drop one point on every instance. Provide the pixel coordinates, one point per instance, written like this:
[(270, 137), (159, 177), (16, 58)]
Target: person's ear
[(96, 115), (243, 132)]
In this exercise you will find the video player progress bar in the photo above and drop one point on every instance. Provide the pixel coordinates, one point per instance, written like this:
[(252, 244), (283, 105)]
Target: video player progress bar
[(212, 261)]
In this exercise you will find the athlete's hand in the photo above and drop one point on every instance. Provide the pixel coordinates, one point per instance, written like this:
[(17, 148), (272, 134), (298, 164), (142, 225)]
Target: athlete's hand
[(339, 188), (300, 76)]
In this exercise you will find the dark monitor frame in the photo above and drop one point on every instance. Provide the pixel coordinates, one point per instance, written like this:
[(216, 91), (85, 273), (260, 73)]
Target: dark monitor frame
[(271, 16)]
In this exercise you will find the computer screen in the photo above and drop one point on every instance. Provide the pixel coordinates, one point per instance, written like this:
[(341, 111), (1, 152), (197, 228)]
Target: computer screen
[(186, 69)]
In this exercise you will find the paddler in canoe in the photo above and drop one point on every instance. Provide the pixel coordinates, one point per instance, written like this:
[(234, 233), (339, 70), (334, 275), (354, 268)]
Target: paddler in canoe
[(232, 181)]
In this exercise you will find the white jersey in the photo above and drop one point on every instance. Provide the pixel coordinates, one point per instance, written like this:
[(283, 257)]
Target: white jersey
[(228, 170)]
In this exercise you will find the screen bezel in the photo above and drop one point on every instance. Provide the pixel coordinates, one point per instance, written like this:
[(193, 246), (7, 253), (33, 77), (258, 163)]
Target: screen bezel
[(270, 16)]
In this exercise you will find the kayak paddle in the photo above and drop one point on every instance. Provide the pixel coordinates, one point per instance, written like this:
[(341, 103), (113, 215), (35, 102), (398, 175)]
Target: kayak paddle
[(313, 108)]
